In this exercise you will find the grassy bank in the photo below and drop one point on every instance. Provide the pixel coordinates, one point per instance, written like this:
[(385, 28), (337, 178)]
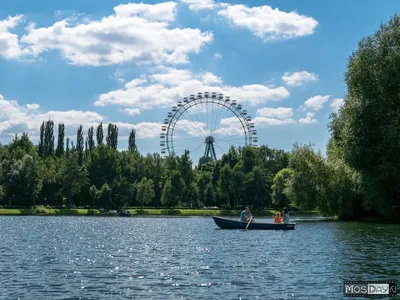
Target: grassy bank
[(41, 211)]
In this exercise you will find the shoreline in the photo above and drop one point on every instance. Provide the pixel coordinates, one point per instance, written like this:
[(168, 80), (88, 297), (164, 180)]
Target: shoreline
[(146, 212)]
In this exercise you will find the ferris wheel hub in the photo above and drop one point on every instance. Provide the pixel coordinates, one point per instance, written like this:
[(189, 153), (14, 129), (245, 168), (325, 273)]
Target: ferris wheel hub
[(209, 140)]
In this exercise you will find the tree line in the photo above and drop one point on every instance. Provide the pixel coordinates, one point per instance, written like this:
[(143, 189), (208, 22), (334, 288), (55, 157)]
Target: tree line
[(359, 177)]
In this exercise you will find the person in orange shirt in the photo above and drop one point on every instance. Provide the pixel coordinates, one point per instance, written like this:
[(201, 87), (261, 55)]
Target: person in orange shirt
[(277, 218)]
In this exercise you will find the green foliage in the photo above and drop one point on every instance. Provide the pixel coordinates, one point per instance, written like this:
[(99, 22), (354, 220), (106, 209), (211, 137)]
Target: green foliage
[(60, 141), (73, 176), (145, 192), (279, 184), (168, 199), (367, 129), (99, 134), (132, 141)]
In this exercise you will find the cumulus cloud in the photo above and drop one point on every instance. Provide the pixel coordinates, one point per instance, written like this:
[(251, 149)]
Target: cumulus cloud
[(164, 88), (299, 78), (136, 32), (262, 121), (279, 112), (197, 5), (268, 23), (33, 106), (132, 111), (9, 43), (316, 102), (16, 119), (336, 104), (308, 119)]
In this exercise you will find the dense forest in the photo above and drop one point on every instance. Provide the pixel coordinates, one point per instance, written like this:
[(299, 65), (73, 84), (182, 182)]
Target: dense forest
[(360, 175)]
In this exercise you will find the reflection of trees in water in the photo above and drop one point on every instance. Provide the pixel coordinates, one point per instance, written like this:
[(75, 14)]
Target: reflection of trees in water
[(367, 251)]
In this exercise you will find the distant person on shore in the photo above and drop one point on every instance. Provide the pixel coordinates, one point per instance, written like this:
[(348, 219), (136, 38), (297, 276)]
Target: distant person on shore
[(277, 218), (246, 215), (286, 218)]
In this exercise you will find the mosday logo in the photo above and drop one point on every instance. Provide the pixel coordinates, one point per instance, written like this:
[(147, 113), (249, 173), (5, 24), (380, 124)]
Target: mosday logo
[(370, 288)]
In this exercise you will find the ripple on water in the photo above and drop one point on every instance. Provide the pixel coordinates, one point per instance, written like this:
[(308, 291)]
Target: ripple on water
[(172, 258)]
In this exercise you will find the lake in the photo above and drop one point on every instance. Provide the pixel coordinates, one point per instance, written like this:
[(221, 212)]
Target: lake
[(188, 258)]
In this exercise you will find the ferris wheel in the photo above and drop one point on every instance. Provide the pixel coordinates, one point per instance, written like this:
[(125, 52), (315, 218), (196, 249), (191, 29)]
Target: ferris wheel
[(207, 125)]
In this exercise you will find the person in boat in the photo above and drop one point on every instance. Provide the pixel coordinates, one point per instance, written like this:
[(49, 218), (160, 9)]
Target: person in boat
[(285, 214), (246, 215), (277, 219)]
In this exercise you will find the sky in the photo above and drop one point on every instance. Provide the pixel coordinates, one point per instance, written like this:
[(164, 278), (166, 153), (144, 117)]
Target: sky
[(82, 62)]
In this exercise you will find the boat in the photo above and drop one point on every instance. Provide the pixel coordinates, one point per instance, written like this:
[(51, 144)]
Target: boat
[(225, 223)]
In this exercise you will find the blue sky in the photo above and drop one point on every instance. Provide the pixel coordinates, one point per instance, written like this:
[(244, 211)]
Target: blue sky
[(82, 62)]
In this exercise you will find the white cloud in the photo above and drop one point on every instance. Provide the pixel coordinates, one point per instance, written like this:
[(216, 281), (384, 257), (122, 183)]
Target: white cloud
[(136, 32), (16, 119), (309, 119), (9, 43), (316, 102), (33, 106), (263, 121), (197, 5), (279, 112), (132, 111), (164, 88), (336, 104), (210, 78), (299, 78), (217, 55), (268, 23)]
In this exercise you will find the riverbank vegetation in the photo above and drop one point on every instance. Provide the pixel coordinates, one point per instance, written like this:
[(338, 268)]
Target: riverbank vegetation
[(359, 177)]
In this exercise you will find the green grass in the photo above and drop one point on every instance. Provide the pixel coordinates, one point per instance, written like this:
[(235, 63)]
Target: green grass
[(145, 212)]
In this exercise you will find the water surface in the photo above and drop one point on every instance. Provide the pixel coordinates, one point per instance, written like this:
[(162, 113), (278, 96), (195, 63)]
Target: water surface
[(188, 258)]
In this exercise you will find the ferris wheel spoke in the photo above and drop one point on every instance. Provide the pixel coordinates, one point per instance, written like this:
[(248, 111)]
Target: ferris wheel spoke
[(205, 121), (217, 120)]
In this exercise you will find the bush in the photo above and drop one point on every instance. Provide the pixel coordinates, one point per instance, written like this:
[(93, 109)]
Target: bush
[(40, 209)]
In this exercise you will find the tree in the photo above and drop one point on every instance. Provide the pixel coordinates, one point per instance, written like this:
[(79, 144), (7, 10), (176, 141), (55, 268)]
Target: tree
[(279, 184), (21, 172), (132, 141), (41, 147), (209, 195), (368, 126), (80, 144), (73, 176), (91, 144), (167, 198), (67, 148), (225, 183), (256, 187), (112, 136), (99, 134), (49, 139), (145, 192), (60, 140)]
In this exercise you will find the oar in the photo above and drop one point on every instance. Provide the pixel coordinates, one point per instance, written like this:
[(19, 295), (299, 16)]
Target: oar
[(251, 218)]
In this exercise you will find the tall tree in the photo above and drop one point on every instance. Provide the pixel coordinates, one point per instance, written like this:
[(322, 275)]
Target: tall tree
[(368, 126), (112, 136), (80, 144), (67, 148), (91, 143), (99, 134), (41, 141), (49, 139), (132, 141), (60, 140)]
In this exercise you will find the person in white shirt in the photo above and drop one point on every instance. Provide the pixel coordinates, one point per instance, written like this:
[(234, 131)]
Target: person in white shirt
[(285, 215)]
